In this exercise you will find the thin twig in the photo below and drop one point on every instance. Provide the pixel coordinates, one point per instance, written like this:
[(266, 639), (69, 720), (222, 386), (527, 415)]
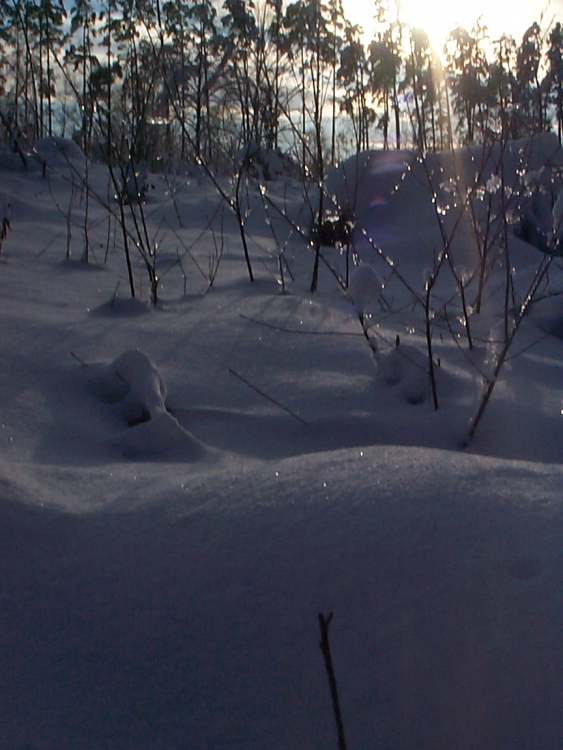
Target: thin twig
[(324, 624), (268, 398), (304, 332), (79, 360)]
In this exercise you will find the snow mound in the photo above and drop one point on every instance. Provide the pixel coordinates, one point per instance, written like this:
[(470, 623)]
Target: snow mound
[(365, 287), (145, 390), (161, 434), (540, 221), (267, 163), (407, 368), (547, 315), (370, 174), (134, 382), (129, 307), (11, 160)]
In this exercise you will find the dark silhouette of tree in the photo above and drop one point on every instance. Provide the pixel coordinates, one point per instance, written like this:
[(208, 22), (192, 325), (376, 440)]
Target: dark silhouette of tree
[(192, 70), (385, 55), (337, 25), (5, 39), (555, 75), (204, 79), (354, 76), (80, 56), (532, 102), (468, 72)]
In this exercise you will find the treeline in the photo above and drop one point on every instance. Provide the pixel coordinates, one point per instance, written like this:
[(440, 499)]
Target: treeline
[(196, 80)]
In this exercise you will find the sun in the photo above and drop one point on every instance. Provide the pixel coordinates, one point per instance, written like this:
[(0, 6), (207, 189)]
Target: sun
[(439, 17)]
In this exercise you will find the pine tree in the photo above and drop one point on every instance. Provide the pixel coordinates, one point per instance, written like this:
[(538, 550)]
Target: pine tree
[(81, 57), (246, 64), (555, 75), (528, 58), (354, 77), (4, 41), (52, 15), (385, 55), (468, 72)]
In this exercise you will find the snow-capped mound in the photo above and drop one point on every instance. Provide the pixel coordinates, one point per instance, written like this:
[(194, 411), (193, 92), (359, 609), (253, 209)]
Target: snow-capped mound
[(134, 383), (364, 288), (547, 315), (267, 163), (135, 376), (407, 368), (540, 213), (160, 435), (369, 176)]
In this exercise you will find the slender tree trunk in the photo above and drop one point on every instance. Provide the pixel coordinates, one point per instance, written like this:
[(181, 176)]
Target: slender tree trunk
[(41, 85), (397, 112), (198, 105), (333, 123), (49, 81), (182, 95), (303, 114), (109, 96), (385, 119), (30, 76), (449, 117), (17, 81)]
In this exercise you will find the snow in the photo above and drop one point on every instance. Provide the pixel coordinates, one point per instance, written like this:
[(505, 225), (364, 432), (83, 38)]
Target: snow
[(134, 383), (406, 367), (57, 152), (364, 288), (184, 488), (145, 388)]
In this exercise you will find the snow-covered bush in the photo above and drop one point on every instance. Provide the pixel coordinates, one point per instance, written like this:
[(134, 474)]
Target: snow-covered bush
[(364, 288), (266, 163), (406, 368), (134, 183), (135, 385), (134, 379)]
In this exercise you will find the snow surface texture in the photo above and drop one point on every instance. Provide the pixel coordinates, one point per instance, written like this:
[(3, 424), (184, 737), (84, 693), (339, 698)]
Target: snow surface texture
[(58, 152), (168, 598)]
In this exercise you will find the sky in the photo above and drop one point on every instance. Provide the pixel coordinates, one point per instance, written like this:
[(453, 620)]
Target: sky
[(438, 17)]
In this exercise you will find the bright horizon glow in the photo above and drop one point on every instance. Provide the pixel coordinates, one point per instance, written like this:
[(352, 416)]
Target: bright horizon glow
[(439, 17)]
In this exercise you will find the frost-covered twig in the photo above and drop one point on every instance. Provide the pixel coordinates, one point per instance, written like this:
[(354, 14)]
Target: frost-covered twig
[(298, 331), (502, 357)]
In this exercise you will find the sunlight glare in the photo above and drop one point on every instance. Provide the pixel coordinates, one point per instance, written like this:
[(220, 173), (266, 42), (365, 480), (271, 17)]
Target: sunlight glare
[(439, 17)]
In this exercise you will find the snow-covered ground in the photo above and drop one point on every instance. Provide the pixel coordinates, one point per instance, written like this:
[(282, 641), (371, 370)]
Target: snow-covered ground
[(183, 489)]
